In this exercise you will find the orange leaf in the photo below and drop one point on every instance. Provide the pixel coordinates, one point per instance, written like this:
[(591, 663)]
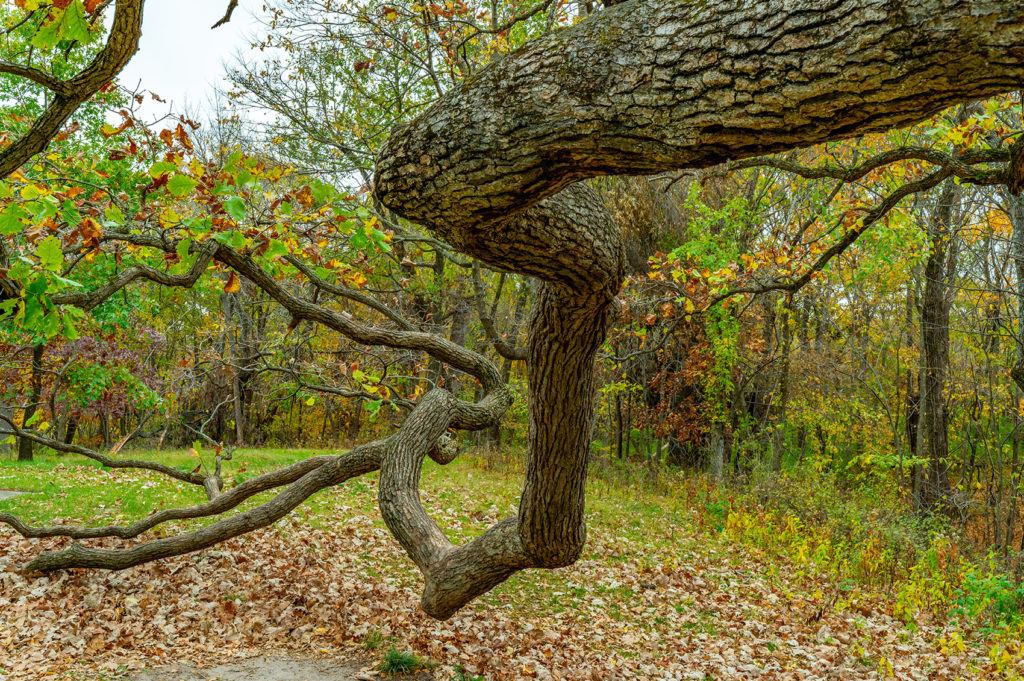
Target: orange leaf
[(233, 284)]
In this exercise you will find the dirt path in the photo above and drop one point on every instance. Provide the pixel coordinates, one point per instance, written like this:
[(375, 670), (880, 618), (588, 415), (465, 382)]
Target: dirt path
[(264, 668), (10, 494)]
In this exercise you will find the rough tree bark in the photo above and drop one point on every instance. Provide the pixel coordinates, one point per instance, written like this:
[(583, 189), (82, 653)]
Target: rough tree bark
[(68, 95)]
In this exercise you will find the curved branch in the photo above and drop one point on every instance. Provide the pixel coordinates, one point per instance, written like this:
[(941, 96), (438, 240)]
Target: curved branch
[(359, 461), (960, 165), (106, 461), (847, 240), (487, 321), (344, 292), (50, 82), (122, 42), (89, 300), (224, 502)]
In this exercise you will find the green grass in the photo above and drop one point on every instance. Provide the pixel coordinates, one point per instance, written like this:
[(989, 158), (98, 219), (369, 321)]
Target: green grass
[(399, 663), (73, 487)]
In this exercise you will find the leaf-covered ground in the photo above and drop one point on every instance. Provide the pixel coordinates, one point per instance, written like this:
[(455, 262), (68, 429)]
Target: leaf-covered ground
[(657, 595)]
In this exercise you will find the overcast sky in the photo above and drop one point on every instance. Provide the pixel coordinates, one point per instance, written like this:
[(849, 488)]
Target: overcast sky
[(179, 57)]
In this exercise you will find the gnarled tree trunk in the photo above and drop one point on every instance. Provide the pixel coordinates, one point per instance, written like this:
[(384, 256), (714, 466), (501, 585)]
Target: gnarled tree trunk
[(641, 88)]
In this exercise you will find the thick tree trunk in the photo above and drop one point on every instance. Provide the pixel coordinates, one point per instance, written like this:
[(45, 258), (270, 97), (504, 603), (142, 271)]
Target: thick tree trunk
[(641, 88), (24, 444)]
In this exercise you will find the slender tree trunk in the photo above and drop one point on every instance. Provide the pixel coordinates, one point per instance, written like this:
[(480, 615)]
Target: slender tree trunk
[(355, 420), (105, 428), (935, 492), (782, 400), (716, 449), (239, 405), (69, 434), (24, 444), (618, 426)]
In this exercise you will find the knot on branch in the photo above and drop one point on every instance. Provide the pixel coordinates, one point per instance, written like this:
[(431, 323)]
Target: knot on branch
[(447, 449)]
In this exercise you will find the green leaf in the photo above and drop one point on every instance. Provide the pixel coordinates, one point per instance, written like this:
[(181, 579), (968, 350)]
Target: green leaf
[(48, 34), (51, 325), (50, 255), (235, 207), (114, 215), (180, 185), (70, 214), (73, 25), (11, 219), (276, 248), (161, 168), (183, 246), (359, 240), (71, 333)]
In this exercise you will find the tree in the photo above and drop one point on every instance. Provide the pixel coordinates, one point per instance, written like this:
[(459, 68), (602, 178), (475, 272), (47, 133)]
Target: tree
[(495, 167)]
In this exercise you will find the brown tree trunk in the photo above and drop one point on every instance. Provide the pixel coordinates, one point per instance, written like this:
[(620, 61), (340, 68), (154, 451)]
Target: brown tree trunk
[(24, 444), (782, 399), (933, 479)]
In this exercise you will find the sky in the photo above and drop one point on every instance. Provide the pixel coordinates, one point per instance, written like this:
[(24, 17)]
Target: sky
[(180, 58)]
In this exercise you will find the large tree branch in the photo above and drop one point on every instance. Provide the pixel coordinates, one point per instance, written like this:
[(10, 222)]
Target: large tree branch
[(56, 85), (344, 292), (122, 42), (87, 300), (962, 167), (106, 461), (659, 85), (359, 461)]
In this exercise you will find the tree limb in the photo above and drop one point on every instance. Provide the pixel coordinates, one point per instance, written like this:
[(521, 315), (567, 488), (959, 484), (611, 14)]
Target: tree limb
[(122, 42)]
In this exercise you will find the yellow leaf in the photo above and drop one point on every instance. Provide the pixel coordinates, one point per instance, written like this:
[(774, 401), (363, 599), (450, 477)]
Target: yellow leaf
[(233, 284)]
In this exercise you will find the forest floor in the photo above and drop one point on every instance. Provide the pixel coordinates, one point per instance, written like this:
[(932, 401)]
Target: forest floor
[(659, 594)]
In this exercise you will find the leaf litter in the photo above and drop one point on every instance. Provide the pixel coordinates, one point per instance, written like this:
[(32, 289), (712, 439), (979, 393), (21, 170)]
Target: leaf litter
[(329, 583)]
